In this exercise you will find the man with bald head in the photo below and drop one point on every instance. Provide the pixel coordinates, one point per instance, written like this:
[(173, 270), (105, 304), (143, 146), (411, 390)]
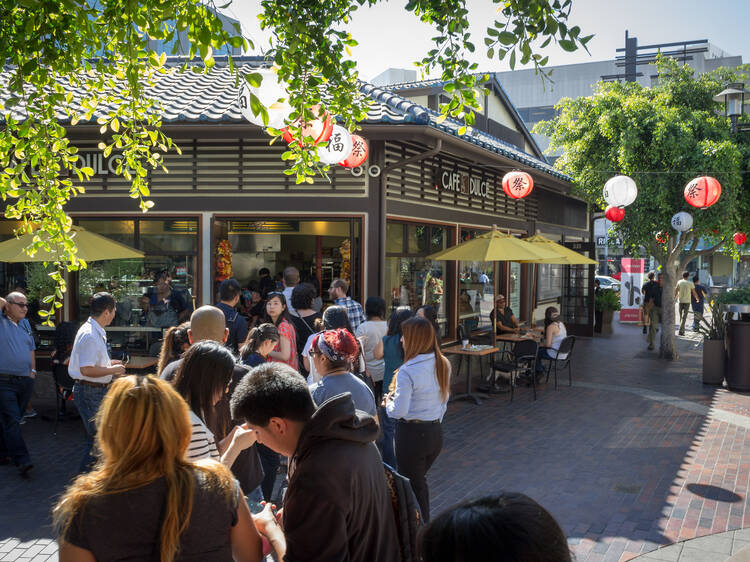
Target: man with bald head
[(208, 323), (17, 372)]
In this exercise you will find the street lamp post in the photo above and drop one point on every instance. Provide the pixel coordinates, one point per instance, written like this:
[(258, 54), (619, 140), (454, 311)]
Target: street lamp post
[(734, 97)]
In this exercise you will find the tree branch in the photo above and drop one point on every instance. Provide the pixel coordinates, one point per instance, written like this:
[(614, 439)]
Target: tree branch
[(697, 253)]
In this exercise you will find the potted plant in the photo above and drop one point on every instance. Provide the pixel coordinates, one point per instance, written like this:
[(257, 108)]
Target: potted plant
[(605, 304), (714, 352)]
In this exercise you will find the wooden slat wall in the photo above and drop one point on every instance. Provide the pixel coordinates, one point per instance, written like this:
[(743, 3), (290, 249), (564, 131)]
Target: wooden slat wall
[(416, 183), (229, 165)]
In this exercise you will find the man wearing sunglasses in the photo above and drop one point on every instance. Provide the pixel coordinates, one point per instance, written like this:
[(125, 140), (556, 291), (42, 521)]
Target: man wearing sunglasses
[(17, 373)]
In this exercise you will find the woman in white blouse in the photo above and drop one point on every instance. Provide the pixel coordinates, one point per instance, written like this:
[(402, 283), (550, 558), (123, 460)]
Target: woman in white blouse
[(418, 398)]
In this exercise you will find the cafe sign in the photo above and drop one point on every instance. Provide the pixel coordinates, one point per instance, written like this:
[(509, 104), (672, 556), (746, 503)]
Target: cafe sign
[(461, 182), (97, 162)]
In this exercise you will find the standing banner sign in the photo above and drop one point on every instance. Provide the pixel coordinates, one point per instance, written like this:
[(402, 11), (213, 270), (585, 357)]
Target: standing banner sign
[(631, 282)]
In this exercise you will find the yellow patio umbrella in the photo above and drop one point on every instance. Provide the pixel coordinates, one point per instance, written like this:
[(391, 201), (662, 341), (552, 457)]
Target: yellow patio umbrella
[(566, 256), (495, 246), (91, 247)]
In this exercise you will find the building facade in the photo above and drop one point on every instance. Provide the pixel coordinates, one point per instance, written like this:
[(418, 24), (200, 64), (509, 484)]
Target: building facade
[(422, 189)]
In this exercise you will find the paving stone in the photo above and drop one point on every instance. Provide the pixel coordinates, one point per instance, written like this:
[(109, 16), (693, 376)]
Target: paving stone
[(689, 554), (623, 459), (712, 543)]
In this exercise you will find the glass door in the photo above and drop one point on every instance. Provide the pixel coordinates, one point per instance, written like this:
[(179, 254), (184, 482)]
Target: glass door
[(578, 293)]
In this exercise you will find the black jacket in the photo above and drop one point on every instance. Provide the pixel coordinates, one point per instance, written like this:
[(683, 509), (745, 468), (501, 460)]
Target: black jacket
[(337, 506)]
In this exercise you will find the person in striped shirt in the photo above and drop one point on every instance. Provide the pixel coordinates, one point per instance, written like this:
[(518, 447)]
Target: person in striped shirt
[(202, 380)]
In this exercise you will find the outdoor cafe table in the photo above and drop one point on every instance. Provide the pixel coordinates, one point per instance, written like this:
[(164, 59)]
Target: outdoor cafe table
[(140, 363), (472, 351)]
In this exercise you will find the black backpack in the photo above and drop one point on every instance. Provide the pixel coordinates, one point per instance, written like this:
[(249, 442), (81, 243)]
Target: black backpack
[(232, 342), (406, 513)]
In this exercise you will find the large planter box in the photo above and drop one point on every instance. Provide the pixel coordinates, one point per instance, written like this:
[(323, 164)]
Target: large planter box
[(714, 361), (606, 326)]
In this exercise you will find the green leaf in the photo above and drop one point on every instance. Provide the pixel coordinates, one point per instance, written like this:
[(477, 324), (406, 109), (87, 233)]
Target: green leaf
[(513, 60), (254, 79), (507, 38), (568, 45)]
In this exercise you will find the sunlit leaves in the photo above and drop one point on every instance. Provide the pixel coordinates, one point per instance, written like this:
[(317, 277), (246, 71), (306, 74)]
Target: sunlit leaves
[(100, 50)]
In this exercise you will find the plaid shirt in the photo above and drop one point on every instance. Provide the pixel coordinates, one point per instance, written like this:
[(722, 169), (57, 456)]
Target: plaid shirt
[(353, 309)]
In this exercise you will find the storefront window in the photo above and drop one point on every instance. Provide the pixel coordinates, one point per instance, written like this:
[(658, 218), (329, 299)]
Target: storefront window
[(411, 279), (476, 290), (153, 292), (549, 282), (322, 250)]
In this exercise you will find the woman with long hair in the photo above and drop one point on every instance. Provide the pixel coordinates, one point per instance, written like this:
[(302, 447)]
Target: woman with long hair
[(202, 380), (418, 398), (144, 500), (174, 345), (259, 343), (554, 333), (392, 353), (277, 313)]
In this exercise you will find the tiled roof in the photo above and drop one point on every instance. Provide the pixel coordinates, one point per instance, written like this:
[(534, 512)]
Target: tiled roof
[(189, 97)]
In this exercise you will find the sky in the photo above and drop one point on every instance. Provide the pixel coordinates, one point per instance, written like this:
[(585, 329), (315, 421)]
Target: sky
[(389, 37)]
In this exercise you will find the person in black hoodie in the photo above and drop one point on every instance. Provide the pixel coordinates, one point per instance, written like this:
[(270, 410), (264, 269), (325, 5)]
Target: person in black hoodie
[(337, 505)]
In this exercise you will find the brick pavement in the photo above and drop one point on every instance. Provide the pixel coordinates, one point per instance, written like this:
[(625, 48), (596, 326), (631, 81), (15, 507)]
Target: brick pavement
[(636, 455)]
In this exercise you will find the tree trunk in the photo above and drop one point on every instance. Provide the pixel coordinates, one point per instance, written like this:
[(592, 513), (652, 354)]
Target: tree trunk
[(668, 348)]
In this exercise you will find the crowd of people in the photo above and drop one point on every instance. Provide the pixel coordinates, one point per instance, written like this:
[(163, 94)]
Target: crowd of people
[(183, 465)]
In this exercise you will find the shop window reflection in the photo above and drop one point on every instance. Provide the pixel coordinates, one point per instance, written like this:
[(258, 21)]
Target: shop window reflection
[(411, 279), (476, 290), (153, 292)]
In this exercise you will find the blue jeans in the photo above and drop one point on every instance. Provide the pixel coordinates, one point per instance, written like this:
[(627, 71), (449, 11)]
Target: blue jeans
[(15, 393), (386, 440), (87, 399), (543, 354)]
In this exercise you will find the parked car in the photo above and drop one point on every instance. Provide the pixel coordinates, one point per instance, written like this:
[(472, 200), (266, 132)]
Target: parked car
[(608, 283)]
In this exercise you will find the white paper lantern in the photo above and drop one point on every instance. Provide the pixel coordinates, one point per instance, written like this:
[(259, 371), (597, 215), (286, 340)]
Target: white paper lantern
[(278, 114), (620, 191), (682, 221), (339, 146), (268, 93), (270, 89)]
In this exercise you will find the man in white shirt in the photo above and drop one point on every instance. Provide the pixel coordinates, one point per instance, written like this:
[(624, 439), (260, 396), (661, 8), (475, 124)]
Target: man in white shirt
[(92, 369)]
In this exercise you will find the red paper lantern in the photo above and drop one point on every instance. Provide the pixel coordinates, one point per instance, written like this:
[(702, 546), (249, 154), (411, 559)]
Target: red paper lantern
[(319, 129), (517, 185), (740, 238), (703, 192), (662, 237), (615, 214), (358, 154)]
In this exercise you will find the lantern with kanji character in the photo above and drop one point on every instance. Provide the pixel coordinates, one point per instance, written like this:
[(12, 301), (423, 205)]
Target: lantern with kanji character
[(662, 237), (615, 214), (517, 185), (702, 192), (682, 221), (739, 238), (358, 154), (620, 191), (269, 93), (338, 148)]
